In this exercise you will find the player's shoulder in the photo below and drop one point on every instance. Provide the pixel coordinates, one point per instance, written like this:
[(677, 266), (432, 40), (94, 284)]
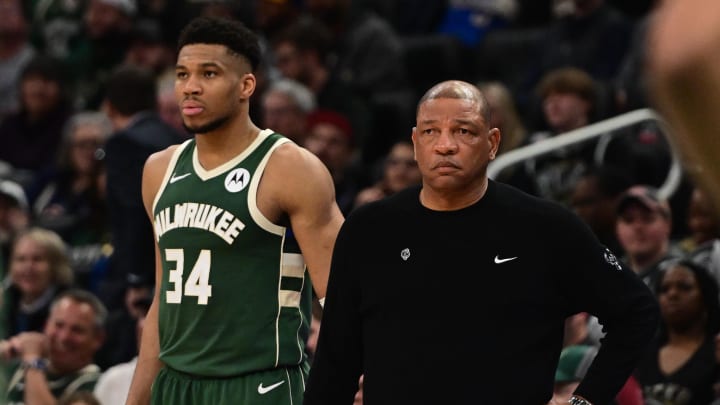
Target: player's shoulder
[(161, 158), (294, 160)]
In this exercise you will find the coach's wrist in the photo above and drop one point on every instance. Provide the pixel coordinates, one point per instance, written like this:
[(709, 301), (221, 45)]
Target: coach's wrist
[(578, 400)]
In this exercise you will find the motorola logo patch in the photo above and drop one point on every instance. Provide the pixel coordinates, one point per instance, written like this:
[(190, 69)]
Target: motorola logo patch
[(237, 180)]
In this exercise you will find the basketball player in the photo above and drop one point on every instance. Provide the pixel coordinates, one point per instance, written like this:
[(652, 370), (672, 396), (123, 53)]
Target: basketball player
[(231, 313)]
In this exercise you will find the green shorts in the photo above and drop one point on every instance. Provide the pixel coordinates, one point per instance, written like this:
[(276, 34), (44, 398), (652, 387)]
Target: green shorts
[(282, 386)]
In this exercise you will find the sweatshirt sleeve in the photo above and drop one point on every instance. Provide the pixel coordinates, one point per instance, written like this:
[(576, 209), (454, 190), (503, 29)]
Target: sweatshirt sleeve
[(337, 364), (596, 282)]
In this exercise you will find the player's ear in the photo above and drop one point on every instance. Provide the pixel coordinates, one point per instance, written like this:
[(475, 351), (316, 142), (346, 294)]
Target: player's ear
[(248, 82)]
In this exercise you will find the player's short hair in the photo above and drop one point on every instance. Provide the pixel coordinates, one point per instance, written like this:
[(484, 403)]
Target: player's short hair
[(234, 35)]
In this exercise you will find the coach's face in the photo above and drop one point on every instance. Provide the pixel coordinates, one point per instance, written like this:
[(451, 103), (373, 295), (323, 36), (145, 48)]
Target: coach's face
[(453, 144), (212, 87)]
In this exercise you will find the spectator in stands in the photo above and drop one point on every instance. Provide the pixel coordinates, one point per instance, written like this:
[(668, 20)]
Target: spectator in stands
[(595, 198), (56, 363), (14, 217), (504, 115), (582, 329), (31, 136), (107, 32), (702, 244), (55, 26), (470, 21), (122, 345), (369, 60), (131, 104), (168, 107), (39, 271), (399, 171), (302, 52), (643, 228), (114, 384), (67, 198), (286, 105), (147, 48), (631, 90), (15, 52), (680, 367), (592, 36), (331, 138), (568, 98), (272, 16)]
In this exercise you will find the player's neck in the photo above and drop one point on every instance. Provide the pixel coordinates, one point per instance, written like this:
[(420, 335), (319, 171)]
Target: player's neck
[(219, 146)]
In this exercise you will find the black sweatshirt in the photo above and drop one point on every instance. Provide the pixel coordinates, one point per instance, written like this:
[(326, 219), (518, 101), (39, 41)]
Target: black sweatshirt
[(468, 306)]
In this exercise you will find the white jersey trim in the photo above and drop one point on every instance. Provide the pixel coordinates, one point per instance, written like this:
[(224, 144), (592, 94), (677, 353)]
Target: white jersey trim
[(208, 174), (255, 213), (168, 173)]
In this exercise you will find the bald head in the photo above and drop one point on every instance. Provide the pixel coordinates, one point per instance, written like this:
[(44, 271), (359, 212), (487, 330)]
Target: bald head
[(459, 90)]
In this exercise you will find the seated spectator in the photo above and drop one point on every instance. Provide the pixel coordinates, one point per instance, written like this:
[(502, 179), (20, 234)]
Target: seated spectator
[(302, 52), (702, 245), (58, 362), (400, 171), (39, 271), (594, 198), (331, 138), (14, 217), (680, 367), (68, 198), (15, 52), (504, 115), (643, 228), (114, 384), (568, 98), (31, 136), (286, 105), (582, 329), (122, 345), (573, 365), (168, 107)]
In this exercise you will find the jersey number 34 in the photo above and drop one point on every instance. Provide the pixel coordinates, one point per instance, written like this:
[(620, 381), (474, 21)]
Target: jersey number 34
[(197, 282)]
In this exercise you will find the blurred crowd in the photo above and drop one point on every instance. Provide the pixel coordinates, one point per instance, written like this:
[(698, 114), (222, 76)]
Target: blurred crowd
[(341, 78)]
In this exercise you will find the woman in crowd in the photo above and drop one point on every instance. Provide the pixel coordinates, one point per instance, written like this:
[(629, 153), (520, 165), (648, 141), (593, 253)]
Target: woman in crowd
[(39, 270), (680, 367)]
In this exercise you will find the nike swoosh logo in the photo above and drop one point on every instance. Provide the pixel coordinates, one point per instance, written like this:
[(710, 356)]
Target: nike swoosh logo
[(175, 178), (264, 390), (498, 260)]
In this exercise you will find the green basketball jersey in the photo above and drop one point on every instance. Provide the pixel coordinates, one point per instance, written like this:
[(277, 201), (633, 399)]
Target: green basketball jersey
[(235, 295)]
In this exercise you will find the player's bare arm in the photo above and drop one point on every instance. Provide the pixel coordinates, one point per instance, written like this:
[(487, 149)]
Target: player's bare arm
[(148, 363), (298, 184), (684, 72)]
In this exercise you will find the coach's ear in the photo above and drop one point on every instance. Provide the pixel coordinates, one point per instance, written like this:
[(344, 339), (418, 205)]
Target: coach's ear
[(494, 139)]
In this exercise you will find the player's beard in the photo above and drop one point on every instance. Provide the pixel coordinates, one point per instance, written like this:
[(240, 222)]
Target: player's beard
[(209, 127)]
